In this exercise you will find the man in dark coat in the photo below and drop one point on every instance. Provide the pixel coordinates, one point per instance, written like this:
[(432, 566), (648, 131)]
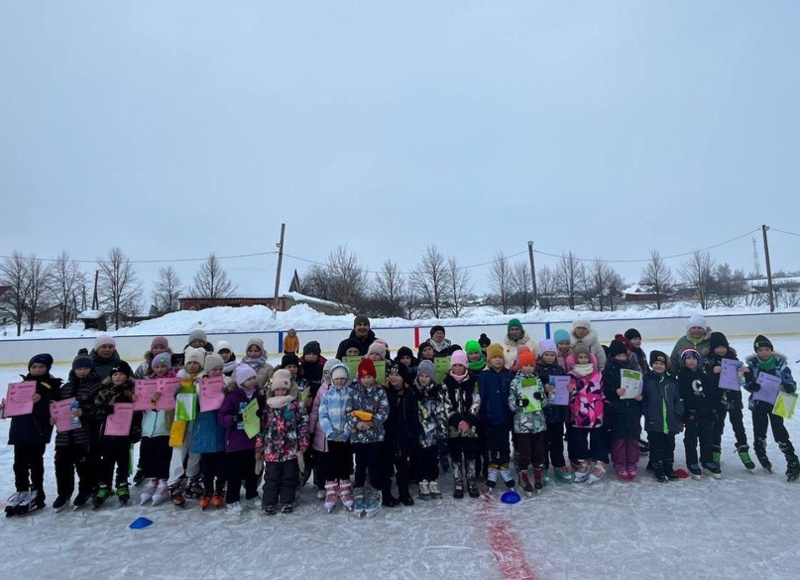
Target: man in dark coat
[(362, 333)]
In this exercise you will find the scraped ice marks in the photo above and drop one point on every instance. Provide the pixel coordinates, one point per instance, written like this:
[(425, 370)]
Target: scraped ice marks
[(503, 542)]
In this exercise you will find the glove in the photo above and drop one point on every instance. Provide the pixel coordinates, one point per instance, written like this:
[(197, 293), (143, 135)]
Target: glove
[(522, 402), (789, 388), (754, 387), (237, 418), (537, 396)]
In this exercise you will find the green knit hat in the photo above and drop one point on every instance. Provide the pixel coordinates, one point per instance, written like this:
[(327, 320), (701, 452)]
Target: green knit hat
[(472, 346), (514, 322)]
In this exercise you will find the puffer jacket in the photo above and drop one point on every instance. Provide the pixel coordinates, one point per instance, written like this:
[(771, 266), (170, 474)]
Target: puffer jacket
[(372, 400), (236, 438), (494, 387), (463, 403), (527, 421), (103, 366), (703, 346), (662, 405), (107, 395), (284, 429), (35, 429), (84, 390), (624, 416), (333, 411), (402, 428), (594, 346), (511, 349), (699, 394), (781, 370), (208, 436), (432, 408), (587, 401)]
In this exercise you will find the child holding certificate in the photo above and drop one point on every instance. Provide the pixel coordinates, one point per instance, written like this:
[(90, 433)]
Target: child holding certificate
[(527, 400), (555, 382), (624, 409)]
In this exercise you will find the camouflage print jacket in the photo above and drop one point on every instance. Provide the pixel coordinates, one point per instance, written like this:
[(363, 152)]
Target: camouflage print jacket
[(432, 405)]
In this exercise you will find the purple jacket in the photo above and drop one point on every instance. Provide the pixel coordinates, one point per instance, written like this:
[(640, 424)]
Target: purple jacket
[(320, 443), (235, 437)]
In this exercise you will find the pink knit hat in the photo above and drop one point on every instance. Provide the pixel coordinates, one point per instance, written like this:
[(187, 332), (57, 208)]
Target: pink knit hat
[(459, 357)]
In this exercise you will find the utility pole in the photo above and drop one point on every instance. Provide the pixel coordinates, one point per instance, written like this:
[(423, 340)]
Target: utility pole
[(533, 275), (95, 299), (278, 273), (769, 269)]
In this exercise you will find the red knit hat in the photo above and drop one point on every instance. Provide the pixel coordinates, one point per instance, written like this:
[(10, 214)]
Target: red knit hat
[(366, 368), (525, 357)]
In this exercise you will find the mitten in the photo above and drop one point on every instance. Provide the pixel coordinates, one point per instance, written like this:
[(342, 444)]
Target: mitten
[(537, 396)]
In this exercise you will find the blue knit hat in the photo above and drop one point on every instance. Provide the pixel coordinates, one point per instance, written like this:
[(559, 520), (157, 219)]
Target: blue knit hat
[(561, 335)]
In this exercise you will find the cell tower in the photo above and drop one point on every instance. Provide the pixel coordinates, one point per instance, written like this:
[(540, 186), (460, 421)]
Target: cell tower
[(756, 262)]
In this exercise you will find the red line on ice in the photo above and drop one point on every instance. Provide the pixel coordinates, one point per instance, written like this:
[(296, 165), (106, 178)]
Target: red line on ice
[(506, 547)]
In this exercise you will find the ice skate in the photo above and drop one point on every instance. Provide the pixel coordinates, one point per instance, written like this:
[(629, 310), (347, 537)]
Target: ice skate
[(373, 504), (712, 469), (744, 454), (695, 471), (331, 496), (148, 491), (598, 472), (162, 493)]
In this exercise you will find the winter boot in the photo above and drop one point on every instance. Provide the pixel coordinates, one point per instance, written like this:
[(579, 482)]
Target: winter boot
[(287, 507), (389, 500), (61, 502), (346, 494), (359, 501), (525, 482), (373, 503), (632, 469), (331, 495), (598, 472), (712, 468), (176, 495), (148, 491), (123, 494), (508, 479), (670, 472), (425, 489), (582, 472), (100, 498), (434, 488), (760, 447), (716, 454), (162, 492), (744, 454), (563, 474), (792, 464), (622, 471), (658, 472), (695, 471), (80, 500), (538, 484)]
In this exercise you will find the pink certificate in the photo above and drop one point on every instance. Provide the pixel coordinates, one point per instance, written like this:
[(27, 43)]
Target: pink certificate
[(211, 393), (119, 422), (61, 411), (167, 387), (19, 400), (145, 389)]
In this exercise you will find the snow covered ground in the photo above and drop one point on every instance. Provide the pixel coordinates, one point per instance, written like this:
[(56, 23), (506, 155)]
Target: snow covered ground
[(743, 526)]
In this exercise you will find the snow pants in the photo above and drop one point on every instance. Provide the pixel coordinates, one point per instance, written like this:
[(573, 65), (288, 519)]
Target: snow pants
[(555, 444), (71, 459), (212, 466), (700, 430), (498, 444), (180, 455), (280, 482), (241, 467), (531, 448), (589, 444), (154, 456), (29, 467), (338, 461), (625, 453), (368, 457), (114, 452)]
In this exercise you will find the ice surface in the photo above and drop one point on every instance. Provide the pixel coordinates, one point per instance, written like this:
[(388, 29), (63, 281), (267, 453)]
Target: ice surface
[(742, 526)]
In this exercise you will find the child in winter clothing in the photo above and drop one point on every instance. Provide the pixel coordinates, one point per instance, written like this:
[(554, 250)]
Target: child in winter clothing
[(527, 400), (402, 434), (73, 447), (311, 367), (229, 361), (284, 434), (291, 343), (554, 415), (728, 402), (587, 408), (256, 359), (662, 408), (582, 333), (338, 461), (181, 434), (476, 362), (319, 444), (462, 406), (115, 450), (767, 361), (406, 356), (432, 410), (494, 385), (367, 409), (30, 434), (699, 411), (240, 457), (291, 363), (564, 348), (624, 415), (208, 440), (154, 452), (158, 346), (634, 339), (425, 352)]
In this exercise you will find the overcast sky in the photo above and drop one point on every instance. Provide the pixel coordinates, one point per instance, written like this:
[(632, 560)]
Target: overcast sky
[(172, 129)]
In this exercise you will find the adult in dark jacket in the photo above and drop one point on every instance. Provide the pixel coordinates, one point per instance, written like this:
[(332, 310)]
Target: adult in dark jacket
[(662, 407), (441, 346), (624, 414), (401, 434), (361, 334), (30, 434), (697, 337), (104, 355)]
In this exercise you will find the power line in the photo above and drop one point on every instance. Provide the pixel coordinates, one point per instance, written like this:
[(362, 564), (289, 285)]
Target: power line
[(784, 232), (154, 261)]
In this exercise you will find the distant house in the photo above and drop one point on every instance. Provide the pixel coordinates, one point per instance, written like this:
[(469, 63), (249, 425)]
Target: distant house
[(285, 302), (639, 293)]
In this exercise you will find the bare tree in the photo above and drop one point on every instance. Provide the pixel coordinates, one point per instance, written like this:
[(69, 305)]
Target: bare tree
[(614, 287), (211, 281), (500, 277), (601, 285), (65, 284), (13, 275), (37, 274), (430, 280), (346, 278), (570, 271), (547, 287), (459, 288), (658, 277), (698, 272), (167, 290), (729, 286), (120, 289), (315, 283), (521, 293), (389, 287), (411, 302)]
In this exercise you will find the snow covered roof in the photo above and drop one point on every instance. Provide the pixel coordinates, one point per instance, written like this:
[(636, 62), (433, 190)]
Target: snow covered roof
[(90, 314)]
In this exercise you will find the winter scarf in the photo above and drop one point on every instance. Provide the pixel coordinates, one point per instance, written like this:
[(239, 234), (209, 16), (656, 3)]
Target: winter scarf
[(255, 363), (477, 365), (279, 402), (584, 370), (460, 378), (767, 365)]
